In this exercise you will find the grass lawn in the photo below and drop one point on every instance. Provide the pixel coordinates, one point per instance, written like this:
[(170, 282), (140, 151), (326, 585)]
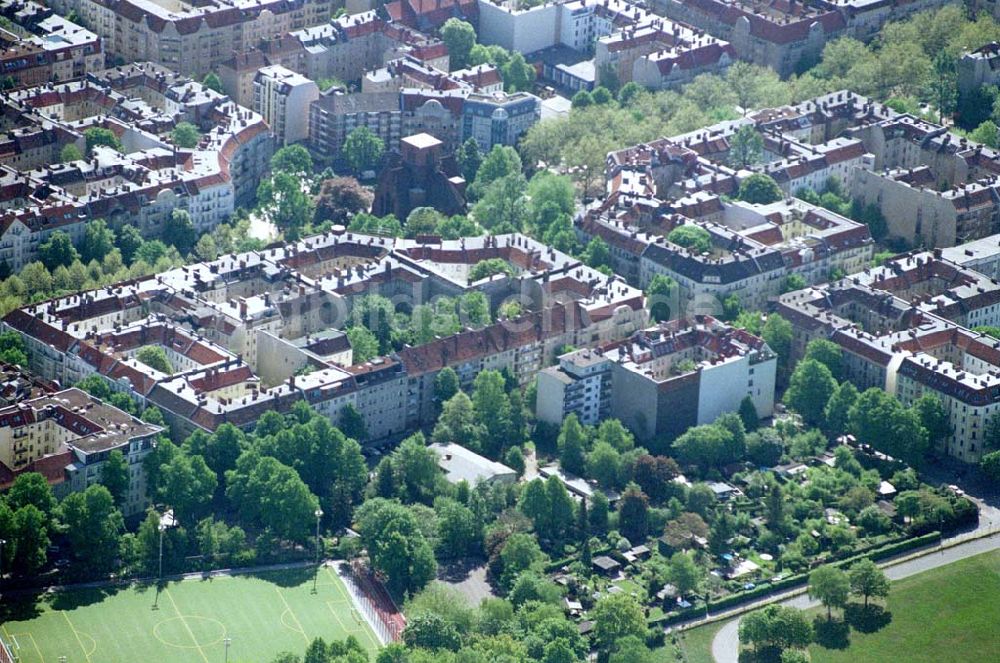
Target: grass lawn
[(695, 644), (263, 614), (947, 614)]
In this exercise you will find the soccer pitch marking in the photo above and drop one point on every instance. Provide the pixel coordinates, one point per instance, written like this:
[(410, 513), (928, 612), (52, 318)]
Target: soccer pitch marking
[(186, 626), (86, 654), (165, 639), (27, 634), (289, 610), (347, 599), (196, 629)]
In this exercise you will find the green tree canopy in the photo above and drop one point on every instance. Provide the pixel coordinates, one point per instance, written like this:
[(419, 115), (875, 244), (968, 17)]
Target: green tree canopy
[(155, 357), (293, 159), (868, 580), (185, 135), (340, 198), (486, 268), (57, 250), (96, 136), (459, 36), (70, 152), (115, 476), (396, 545), (830, 586), (94, 527), (746, 147), (286, 204), (809, 390), (692, 237), (660, 295), (179, 231), (212, 82), (617, 616), (98, 241), (363, 150), (760, 189)]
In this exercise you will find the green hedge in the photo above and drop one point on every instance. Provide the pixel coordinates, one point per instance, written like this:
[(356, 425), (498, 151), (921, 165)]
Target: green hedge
[(552, 567), (796, 580)]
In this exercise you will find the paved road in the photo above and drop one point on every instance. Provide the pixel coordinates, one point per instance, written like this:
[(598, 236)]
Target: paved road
[(725, 646)]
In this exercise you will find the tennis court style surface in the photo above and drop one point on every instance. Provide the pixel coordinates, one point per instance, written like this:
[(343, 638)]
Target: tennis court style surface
[(260, 614)]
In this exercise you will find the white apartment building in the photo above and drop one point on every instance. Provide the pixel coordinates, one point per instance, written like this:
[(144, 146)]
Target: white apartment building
[(283, 97)]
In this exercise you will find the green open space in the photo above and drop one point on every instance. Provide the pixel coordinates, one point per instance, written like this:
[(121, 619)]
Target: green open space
[(947, 614), (262, 614), (695, 644)]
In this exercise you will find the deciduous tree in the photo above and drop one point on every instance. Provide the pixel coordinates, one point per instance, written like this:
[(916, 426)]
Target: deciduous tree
[(760, 189), (363, 150), (185, 135), (830, 586), (809, 390), (94, 527), (115, 476), (868, 580), (459, 36)]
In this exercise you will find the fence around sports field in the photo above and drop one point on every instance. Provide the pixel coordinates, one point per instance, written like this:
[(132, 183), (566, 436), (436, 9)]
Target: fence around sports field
[(374, 601)]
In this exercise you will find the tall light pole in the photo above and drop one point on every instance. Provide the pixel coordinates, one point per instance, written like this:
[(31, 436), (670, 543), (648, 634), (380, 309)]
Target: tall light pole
[(319, 514), (166, 521), (227, 642), (3, 542)]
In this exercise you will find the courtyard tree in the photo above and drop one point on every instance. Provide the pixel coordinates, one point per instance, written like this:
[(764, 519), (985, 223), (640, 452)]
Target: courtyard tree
[(695, 238), (469, 158), (70, 152), (98, 136), (179, 231), (837, 410), (760, 189), (363, 150), (660, 296), (185, 135), (155, 357), (517, 74), (212, 82), (459, 36), (880, 420), (98, 241), (286, 204), (339, 198), (933, 417), (572, 445), (827, 353), (748, 414), (293, 159), (746, 147)]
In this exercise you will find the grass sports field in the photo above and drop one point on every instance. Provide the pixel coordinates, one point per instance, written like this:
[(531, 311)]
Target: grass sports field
[(262, 614), (948, 614)]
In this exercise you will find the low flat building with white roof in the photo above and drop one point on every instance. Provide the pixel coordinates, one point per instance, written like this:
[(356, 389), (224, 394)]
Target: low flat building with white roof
[(460, 464)]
